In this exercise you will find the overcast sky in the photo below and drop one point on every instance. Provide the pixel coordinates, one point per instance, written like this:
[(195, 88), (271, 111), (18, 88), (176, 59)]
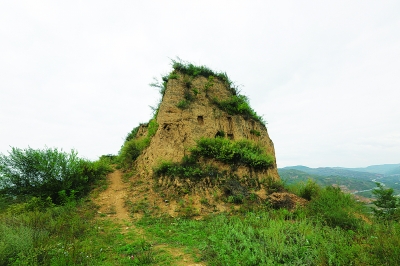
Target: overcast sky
[(324, 74)]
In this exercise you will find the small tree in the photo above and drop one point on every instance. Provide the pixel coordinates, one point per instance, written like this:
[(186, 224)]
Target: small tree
[(47, 173), (386, 203)]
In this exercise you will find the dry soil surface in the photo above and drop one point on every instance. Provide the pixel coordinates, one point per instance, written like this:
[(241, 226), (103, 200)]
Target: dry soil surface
[(112, 204)]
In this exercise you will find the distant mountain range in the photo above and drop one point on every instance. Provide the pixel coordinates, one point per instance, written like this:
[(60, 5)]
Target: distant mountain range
[(360, 181)]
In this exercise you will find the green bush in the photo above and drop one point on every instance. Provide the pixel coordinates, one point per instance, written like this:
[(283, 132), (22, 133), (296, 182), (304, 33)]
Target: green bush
[(255, 132), (183, 104), (132, 134), (336, 208), (44, 173), (186, 169), (131, 150), (133, 147), (309, 190), (195, 71), (242, 152), (238, 105)]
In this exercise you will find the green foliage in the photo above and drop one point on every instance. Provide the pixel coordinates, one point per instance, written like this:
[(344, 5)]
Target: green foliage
[(160, 86), (220, 134), (152, 128), (183, 104), (185, 169), (45, 173), (242, 152), (29, 233), (173, 75), (131, 150), (195, 71), (238, 105), (187, 81), (388, 204), (189, 94), (195, 91), (309, 190), (273, 185), (133, 147), (336, 208), (209, 84), (255, 132), (277, 237), (132, 134)]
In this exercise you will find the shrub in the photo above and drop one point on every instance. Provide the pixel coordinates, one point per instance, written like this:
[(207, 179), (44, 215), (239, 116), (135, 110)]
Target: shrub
[(44, 173), (238, 105), (310, 190), (131, 150), (194, 71), (183, 104), (255, 132), (132, 134), (134, 147), (184, 169), (274, 185), (242, 152), (336, 208)]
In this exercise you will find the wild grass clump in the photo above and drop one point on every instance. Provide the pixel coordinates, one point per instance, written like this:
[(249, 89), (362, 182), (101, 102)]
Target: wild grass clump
[(275, 237), (241, 152), (195, 71), (238, 105), (234, 153), (308, 190), (133, 146), (336, 209), (187, 168)]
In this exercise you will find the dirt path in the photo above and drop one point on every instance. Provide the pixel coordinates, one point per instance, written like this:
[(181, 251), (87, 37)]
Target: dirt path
[(112, 206), (112, 200)]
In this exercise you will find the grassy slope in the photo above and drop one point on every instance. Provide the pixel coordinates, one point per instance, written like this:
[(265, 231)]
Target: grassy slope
[(319, 234)]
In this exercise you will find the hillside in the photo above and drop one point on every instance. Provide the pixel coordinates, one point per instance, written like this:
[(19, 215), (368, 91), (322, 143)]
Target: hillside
[(360, 181), (383, 169)]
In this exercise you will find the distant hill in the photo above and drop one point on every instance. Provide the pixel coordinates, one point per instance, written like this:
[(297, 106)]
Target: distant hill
[(355, 180), (335, 171), (347, 183), (384, 169), (393, 171)]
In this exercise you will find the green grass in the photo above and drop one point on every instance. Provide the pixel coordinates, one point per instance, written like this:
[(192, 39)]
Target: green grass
[(69, 235), (133, 146), (38, 232), (274, 237), (241, 152), (238, 105)]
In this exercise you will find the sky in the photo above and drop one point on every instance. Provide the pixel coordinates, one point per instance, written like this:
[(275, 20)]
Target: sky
[(325, 75)]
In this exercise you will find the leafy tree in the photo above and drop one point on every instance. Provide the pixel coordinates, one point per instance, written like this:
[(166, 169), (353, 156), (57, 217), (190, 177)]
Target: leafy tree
[(386, 202), (47, 173)]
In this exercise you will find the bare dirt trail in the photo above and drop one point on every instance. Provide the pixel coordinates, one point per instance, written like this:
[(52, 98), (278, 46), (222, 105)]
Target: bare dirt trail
[(112, 200), (112, 206)]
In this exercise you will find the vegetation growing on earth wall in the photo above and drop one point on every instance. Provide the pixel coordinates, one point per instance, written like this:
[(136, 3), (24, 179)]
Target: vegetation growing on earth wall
[(236, 104), (48, 218)]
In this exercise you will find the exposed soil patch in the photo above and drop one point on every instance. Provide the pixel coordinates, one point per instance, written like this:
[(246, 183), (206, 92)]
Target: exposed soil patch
[(112, 204), (112, 200)]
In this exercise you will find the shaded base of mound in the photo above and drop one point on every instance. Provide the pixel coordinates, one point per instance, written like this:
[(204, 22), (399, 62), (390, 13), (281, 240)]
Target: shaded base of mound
[(175, 198)]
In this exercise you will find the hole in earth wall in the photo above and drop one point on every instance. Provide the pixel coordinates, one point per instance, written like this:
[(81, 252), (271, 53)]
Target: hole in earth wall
[(200, 120)]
